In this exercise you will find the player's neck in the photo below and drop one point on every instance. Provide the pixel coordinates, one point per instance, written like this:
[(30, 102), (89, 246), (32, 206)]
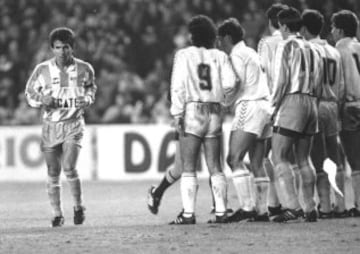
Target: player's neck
[(63, 64)]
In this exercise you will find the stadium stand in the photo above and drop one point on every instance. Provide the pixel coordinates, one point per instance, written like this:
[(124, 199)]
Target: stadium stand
[(129, 42)]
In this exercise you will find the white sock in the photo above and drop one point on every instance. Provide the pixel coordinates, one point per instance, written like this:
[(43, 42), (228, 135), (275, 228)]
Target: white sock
[(188, 188), (219, 189), (308, 183), (261, 187), (272, 196), (297, 177), (54, 193), (76, 191), (243, 182), (285, 184)]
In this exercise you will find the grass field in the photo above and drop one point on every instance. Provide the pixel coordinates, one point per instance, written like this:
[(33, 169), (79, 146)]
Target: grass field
[(118, 222)]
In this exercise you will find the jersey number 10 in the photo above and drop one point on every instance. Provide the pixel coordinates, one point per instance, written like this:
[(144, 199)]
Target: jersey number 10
[(329, 71), (204, 74)]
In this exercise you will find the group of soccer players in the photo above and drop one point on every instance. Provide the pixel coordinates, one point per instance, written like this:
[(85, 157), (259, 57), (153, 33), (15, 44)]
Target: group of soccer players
[(298, 96)]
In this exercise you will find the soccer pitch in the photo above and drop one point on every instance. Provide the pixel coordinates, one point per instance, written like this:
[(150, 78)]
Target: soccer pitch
[(118, 221)]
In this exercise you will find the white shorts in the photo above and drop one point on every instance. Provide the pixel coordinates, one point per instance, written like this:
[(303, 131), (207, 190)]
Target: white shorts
[(54, 134), (203, 119), (253, 117)]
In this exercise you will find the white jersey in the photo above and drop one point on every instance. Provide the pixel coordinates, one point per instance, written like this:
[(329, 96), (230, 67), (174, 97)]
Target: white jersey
[(266, 49), (252, 79), (200, 75), (64, 86), (333, 79), (297, 69), (349, 49)]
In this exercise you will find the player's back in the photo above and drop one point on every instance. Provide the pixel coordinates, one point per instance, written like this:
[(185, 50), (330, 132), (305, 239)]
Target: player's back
[(316, 69), (266, 49), (292, 66), (247, 64), (332, 82), (201, 74), (349, 49)]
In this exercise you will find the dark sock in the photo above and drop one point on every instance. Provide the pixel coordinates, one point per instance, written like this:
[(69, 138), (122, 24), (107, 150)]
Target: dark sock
[(159, 191)]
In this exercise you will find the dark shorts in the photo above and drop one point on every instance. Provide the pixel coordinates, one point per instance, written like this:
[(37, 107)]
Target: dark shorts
[(350, 116), (329, 123), (298, 113)]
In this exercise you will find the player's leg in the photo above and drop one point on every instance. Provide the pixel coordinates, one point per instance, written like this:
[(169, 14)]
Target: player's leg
[(71, 153), (282, 144), (212, 150), (172, 174), (243, 180), (296, 171), (273, 200), (261, 180), (318, 155), (336, 154), (340, 210), (308, 176), (351, 144), (189, 149), (53, 163)]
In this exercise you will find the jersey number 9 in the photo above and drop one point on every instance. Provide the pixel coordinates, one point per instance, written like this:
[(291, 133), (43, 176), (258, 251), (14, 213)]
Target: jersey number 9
[(204, 76)]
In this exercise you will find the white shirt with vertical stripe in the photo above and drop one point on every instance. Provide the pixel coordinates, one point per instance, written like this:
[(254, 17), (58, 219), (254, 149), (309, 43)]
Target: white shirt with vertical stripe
[(200, 75), (64, 86), (297, 69)]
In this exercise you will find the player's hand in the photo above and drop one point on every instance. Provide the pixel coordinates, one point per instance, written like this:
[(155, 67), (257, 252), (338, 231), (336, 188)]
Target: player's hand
[(82, 101), (179, 125), (48, 101)]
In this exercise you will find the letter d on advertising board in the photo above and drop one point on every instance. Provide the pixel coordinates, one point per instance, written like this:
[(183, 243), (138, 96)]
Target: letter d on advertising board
[(130, 166)]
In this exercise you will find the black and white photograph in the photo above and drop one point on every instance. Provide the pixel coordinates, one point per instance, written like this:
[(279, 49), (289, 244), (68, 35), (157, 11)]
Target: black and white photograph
[(179, 126)]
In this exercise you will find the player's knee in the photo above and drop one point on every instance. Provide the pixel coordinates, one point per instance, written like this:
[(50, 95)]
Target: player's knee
[(308, 178), (233, 160), (53, 171), (71, 174), (279, 155)]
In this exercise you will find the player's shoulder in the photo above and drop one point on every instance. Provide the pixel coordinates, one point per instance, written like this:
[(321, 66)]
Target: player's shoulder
[(269, 40), (84, 65), (331, 50), (347, 44), (183, 52), (43, 66), (218, 53)]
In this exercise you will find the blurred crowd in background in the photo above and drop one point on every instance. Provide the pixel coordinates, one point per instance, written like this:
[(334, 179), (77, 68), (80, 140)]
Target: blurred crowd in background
[(130, 43)]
